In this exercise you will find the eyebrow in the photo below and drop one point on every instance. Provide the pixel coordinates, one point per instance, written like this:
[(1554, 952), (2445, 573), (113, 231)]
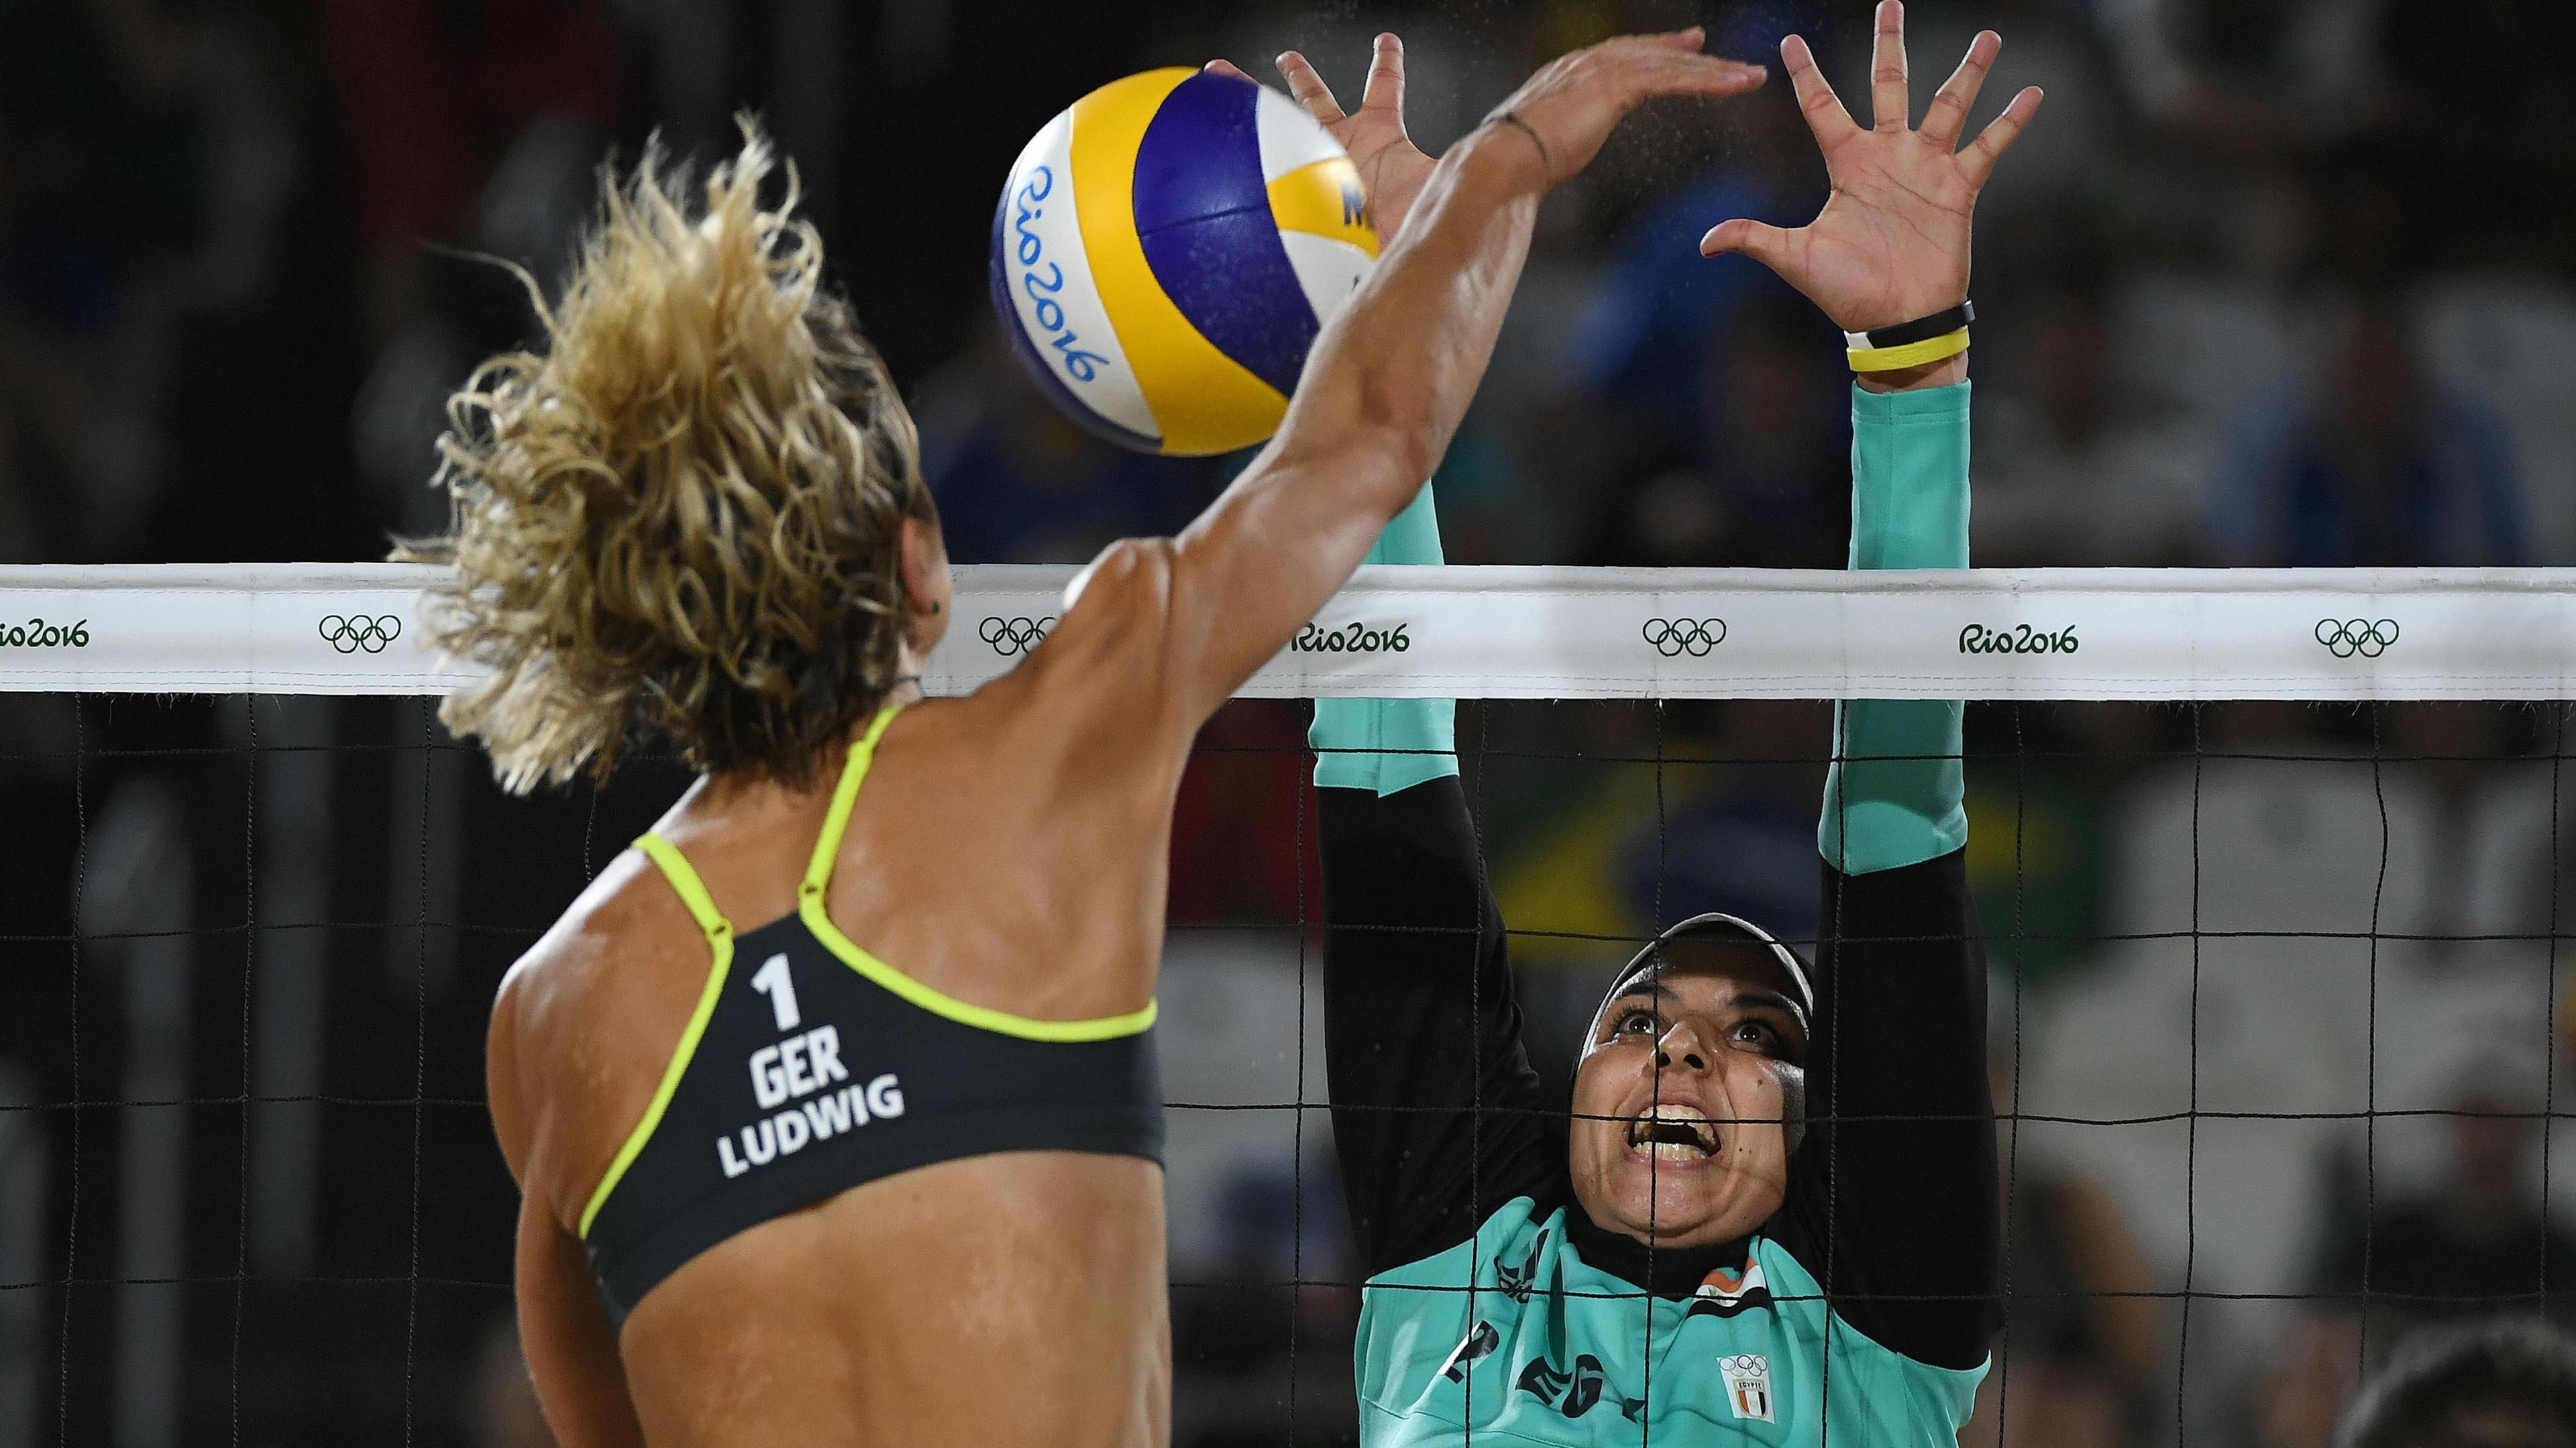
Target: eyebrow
[(1644, 987), (1768, 999)]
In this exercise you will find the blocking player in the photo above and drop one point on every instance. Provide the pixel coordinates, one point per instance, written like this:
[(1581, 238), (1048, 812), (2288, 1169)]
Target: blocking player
[(1773, 1212)]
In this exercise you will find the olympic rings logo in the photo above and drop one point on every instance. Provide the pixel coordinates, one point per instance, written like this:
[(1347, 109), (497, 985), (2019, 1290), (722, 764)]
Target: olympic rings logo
[(2347, 637), (1673, 637), (360, 631), (1011, 637)]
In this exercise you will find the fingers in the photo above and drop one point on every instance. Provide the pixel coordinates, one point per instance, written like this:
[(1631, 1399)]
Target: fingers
[(1948, 114), (1768, 245), (1309, 89), (1888, 103), (1824, 110), (1671, 64), (1575, 100), (1226, 67), (1675, 73), (1385, 89), (1978, 160)]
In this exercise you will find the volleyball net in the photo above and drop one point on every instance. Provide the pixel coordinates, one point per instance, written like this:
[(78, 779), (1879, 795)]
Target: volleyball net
[(2268, 863), (2164, 635)]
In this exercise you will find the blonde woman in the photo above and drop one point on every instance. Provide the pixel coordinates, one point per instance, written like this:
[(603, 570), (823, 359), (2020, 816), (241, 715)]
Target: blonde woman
[(833, 1102)]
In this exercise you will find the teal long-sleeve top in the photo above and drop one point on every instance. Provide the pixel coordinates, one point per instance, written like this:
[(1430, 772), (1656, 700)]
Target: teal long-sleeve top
[(1895, 794)]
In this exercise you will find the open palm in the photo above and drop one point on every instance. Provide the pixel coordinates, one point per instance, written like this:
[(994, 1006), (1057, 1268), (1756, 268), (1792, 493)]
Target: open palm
[(1891, 244), (1391, 167)]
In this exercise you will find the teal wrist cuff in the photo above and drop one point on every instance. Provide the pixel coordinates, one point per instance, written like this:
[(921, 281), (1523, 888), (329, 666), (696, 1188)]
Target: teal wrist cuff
[(1389, 744), (1910, 478), (1947, 404)]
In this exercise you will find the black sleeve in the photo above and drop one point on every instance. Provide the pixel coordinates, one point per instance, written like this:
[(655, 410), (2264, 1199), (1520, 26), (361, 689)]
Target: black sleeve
[(1892, 1199), (1437, 1115)]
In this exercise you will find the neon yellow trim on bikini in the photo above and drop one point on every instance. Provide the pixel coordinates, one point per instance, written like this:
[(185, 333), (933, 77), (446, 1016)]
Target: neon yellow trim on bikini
[(836, 821), (691, 890), (809, 906), (693, 893)]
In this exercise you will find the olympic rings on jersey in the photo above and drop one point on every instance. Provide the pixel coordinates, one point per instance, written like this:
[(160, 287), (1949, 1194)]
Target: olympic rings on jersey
[(1673, 637), (1011, 637), (2347, 637), (371, 632)]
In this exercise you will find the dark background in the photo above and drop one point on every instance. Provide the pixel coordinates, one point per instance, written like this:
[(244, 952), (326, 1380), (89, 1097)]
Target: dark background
[(2270, 282)]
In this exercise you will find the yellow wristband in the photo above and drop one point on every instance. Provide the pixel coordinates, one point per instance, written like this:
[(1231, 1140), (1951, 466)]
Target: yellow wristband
[(1912, 354)]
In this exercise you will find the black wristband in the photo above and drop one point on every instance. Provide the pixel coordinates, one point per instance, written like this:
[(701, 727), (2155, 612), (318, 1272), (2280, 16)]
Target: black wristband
[(1921, 329), (1546, 162)]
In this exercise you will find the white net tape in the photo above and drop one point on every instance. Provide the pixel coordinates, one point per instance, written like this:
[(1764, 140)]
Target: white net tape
[(1494, 633)]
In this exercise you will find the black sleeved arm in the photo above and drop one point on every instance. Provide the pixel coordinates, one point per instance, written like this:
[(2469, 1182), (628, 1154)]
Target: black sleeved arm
[(1437, 1115), (1892, 1200)]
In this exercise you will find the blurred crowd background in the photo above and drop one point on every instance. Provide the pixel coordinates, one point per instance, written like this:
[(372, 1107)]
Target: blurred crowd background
[(2278, 989)]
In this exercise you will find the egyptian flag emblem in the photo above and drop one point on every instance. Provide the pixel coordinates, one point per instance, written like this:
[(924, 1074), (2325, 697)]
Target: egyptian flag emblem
[(1728, 1291), (1748, 1385)]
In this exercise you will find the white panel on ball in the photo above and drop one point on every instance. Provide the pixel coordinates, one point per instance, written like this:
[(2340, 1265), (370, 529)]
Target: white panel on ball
[(1290, 138), (1050, 282), (1328, 270)]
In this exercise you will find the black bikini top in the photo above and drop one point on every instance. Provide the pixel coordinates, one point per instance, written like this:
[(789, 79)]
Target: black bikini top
[(821, 1068)]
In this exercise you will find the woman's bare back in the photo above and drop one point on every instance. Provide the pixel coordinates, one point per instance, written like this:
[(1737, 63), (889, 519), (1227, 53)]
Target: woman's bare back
[(1007, 850), (1011, 1299)]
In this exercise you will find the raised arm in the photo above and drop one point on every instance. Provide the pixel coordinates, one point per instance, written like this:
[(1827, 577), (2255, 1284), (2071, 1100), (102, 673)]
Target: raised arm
[(1892, 1201), (1889, 256), (1894, 1196), (1391, 376), (1437, 1116)]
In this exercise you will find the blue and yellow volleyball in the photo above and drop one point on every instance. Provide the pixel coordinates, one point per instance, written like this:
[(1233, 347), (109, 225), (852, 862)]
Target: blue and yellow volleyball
[(1166, 251)]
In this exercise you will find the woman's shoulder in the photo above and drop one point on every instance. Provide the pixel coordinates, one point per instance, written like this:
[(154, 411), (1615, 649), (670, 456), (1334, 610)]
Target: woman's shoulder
[(569, 1056), (1120, 600), (621, 910), (1093, 689)]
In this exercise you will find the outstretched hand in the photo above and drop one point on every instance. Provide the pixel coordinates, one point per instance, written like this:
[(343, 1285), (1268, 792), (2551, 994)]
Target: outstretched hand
[(1570, 107), (1391, 167), (1891, 244)]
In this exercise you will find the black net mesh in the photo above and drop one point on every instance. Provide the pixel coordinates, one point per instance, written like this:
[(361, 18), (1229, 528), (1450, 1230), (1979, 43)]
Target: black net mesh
[(2275, 1024)]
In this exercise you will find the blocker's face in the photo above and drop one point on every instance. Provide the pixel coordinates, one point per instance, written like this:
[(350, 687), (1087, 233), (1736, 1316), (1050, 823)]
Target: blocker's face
[(1677, 1136)]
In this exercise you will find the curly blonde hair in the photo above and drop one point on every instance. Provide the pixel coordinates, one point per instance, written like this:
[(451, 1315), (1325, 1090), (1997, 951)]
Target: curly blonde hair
[(682, 518)]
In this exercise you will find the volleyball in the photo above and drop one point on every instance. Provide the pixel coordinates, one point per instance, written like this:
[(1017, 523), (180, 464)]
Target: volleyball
[(1165, 252)]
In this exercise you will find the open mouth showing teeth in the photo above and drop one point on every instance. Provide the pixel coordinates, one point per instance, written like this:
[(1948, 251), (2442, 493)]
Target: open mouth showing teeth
[(1670, 1132)]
